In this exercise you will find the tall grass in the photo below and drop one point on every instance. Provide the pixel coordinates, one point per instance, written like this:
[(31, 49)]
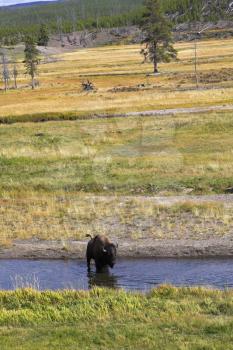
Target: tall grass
[(166, 318)]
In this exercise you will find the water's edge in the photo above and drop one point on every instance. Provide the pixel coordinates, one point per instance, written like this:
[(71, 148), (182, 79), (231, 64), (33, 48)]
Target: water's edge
[(145, 248)]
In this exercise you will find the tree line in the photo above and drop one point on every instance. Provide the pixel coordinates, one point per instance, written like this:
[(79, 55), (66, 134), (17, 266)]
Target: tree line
[(70, 15), (158, 44), (155, 25), (73, 15), (153, 21)]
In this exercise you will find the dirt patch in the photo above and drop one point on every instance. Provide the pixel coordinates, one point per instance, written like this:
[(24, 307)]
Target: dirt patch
[(138, 87), (48, 117), (133, 35), (94, 38), (225, 74), (163, 112), (128, 249)]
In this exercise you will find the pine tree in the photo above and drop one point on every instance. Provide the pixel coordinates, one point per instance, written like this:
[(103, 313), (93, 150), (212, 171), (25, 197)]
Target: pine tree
[(43, 36), (157, 34), (31, 58)]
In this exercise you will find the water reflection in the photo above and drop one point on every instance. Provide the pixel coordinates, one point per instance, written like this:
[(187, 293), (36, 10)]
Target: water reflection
[(102, 279)]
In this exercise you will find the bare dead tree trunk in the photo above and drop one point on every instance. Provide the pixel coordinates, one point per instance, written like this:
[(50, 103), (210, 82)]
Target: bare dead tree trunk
[(155, 59), (33, 82), (74, 21), (5, 72), (15, 83), (195, 64), (155, 67), (60, 31), (15, 75)]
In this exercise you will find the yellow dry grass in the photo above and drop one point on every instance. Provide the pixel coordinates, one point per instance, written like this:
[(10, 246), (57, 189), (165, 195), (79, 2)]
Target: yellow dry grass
[(64, 216), (115, 66)]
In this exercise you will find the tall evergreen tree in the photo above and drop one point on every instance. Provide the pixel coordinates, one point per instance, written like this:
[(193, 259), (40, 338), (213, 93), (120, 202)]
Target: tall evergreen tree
[(157, 34), (43, 36), (31, 58)]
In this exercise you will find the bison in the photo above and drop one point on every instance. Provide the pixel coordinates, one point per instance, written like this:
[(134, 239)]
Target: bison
[(102, 251)]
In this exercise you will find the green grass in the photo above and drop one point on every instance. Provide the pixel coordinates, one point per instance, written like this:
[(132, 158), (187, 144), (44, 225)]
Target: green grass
[(50, 173), (132, 155), (45, 117), (166, 318)]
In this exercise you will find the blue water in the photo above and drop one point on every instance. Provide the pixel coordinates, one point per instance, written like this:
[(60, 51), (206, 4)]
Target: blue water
[(135, 274)]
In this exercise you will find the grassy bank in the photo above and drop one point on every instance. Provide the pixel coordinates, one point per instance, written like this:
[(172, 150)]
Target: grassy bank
[(166, 318)]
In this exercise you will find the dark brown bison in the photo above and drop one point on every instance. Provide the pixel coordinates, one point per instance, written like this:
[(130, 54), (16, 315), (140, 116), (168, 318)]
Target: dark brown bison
[(102, 251)]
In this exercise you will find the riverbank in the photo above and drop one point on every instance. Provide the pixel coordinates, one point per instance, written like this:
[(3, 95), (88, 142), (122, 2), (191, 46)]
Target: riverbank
[(144, 248), (165, 318), (143, 226)]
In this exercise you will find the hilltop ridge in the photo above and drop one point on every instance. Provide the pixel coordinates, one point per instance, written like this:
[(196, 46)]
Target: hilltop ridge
[(67, 16)]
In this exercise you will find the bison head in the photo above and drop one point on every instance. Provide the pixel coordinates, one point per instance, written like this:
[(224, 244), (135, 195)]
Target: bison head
[(110, 252)]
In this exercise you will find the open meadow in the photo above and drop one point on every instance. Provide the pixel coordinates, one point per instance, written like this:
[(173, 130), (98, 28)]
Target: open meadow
[(70, 168), (52, 173), (71, 177), (116, 72)]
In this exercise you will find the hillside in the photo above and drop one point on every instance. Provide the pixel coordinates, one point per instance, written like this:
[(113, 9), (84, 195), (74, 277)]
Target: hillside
[(29, 4), (71, 15)]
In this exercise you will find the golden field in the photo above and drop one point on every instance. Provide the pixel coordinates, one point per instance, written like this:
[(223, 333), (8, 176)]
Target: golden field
[(121, 66)]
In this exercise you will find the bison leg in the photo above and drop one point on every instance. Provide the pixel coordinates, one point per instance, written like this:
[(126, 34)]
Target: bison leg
[(89, 255), (98, 266), (88, 264)]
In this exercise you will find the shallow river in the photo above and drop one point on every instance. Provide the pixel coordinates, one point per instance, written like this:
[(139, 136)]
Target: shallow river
[(134, 274)]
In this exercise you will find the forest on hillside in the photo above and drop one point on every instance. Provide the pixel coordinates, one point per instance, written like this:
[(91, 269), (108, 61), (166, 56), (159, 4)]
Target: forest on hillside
[(71, 15)]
